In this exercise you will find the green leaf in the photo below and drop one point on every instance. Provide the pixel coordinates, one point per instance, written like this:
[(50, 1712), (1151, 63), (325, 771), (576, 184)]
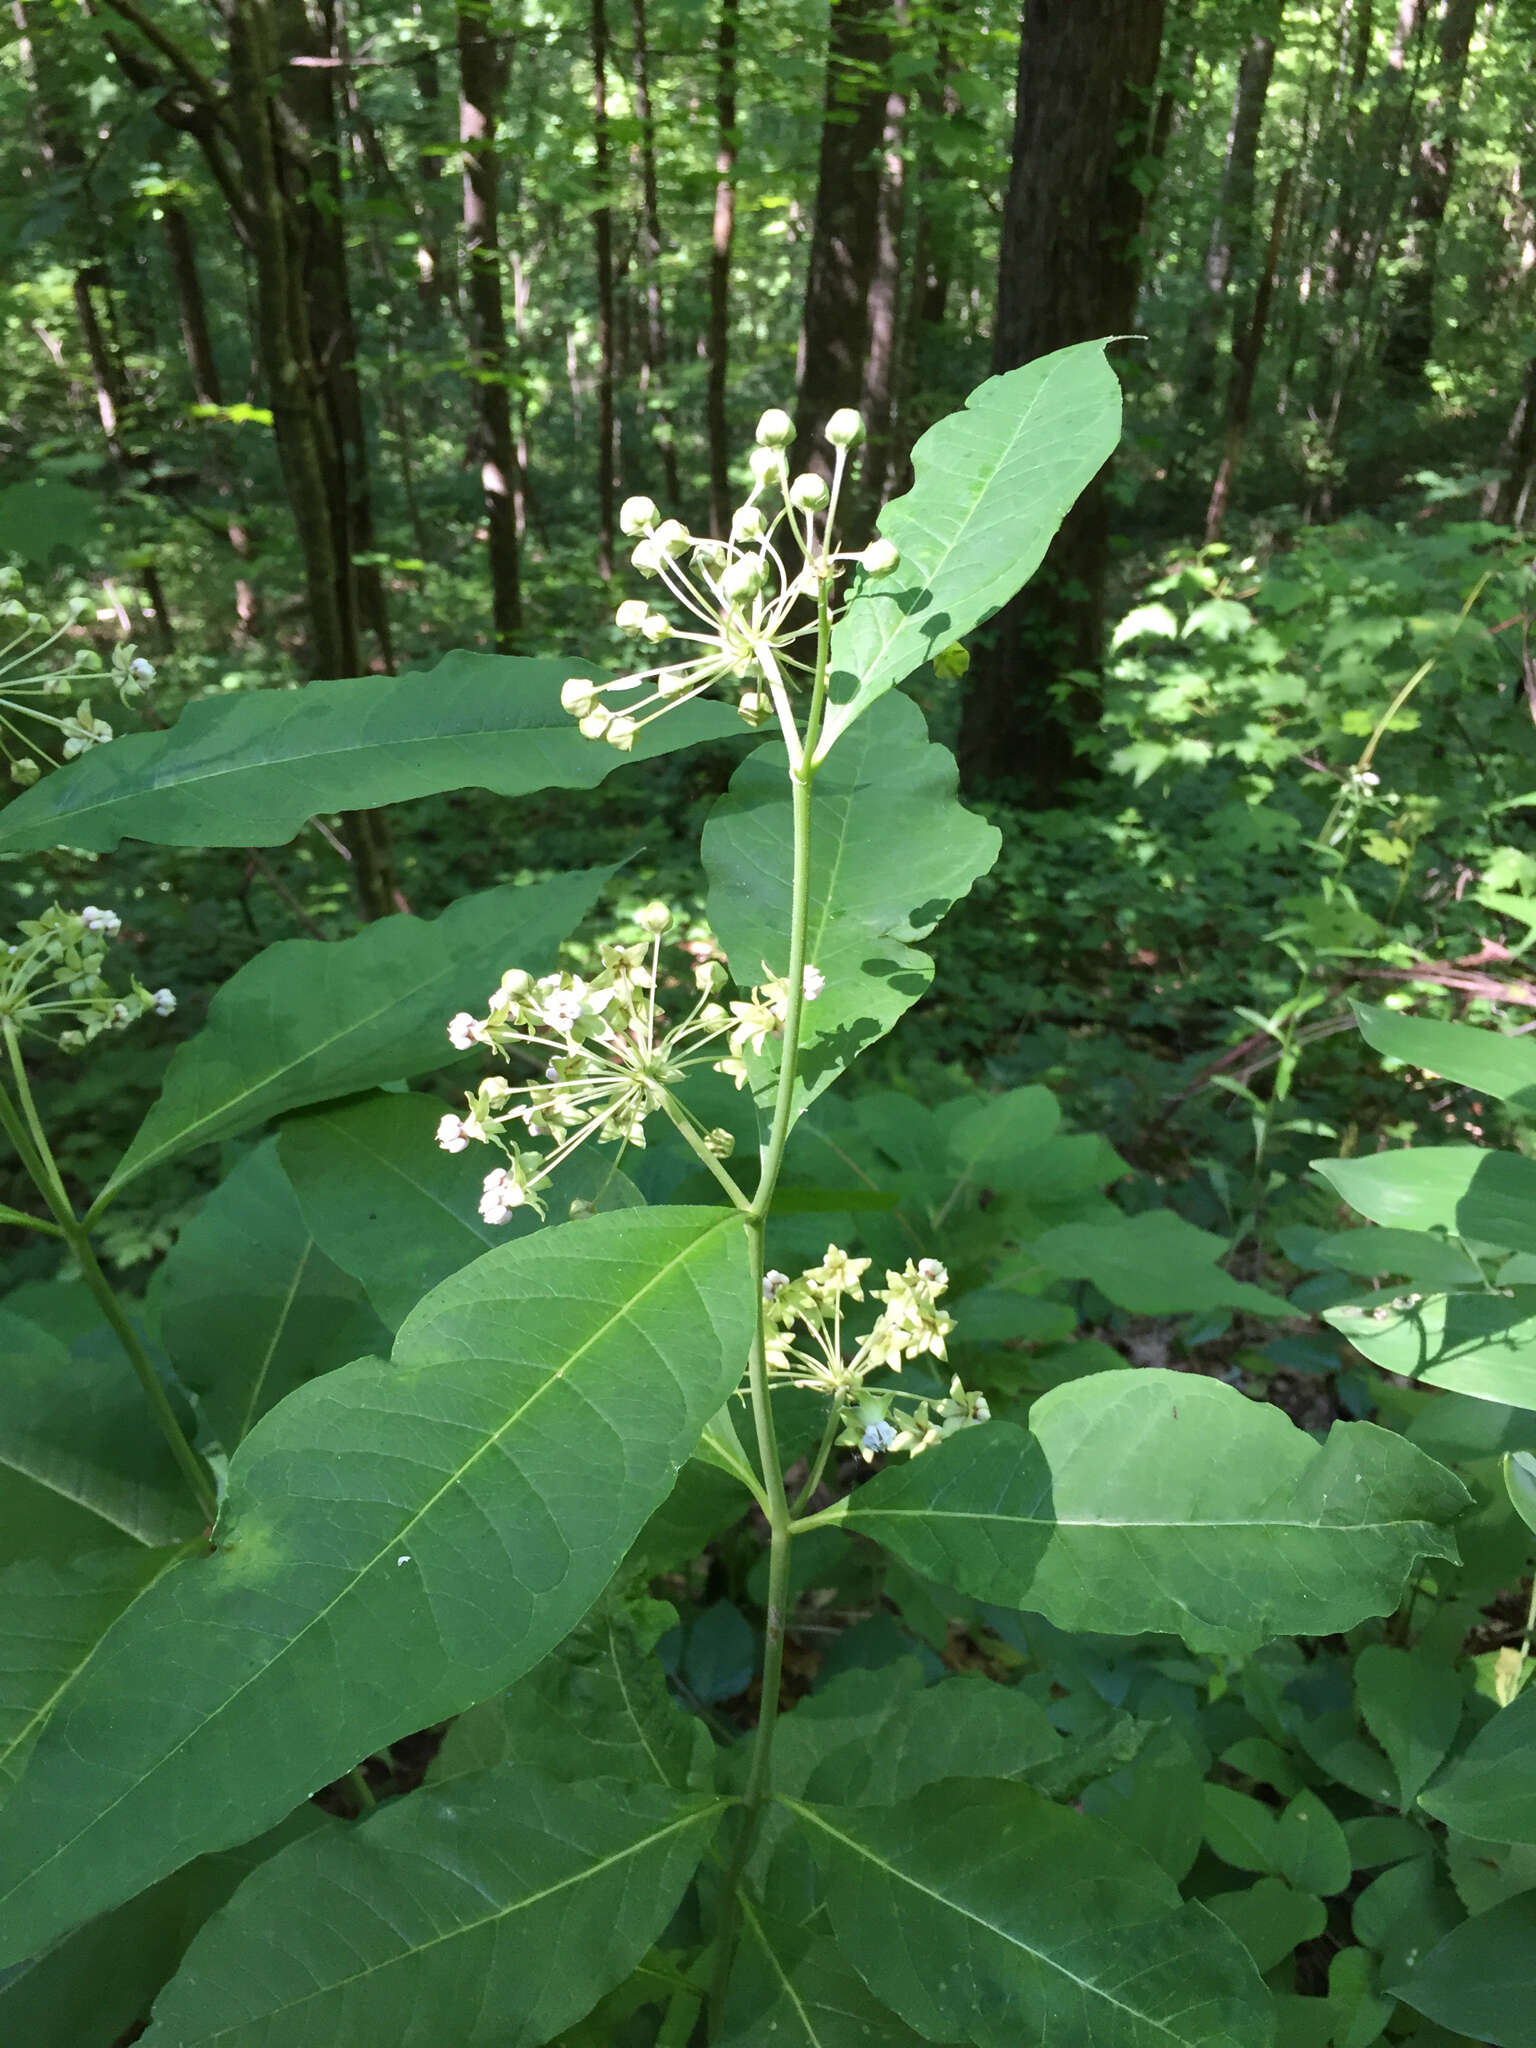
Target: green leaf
[(248, 770), (791, 1989), (1310, 1850), (1487, 1197), (1480, 1981), (51, 1619), (1519, 1468), (891, 849), (249, 1305), (1269, 1919), (966, 1727), (502, 1906), (306, 1020), (1482, 1345), (991, 485), (1403, 1914), (979, 1911), (1149, 1500), (398, 1214), (1504, 1068), (1412, 1705), (1490, 1789), (1239, 1829), (1153, 1264), (398, 1541), (1155, 1800), (83, 1464)]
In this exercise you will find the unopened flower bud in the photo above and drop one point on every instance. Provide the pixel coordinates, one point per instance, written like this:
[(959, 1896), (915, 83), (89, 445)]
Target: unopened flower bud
[(594, 726), (162, 1002), (720, 1143), (809, 493), (646, 557), (25, 771), (880, 558), (637, 515), (951, 663), (631, 616), (578, 695), (655, 918), (775, 429), (621, 733), (670, 538), (744, 578), (748, 523), (656, 627), (754, 706), (845, 429), (141, 670), (765, 464)]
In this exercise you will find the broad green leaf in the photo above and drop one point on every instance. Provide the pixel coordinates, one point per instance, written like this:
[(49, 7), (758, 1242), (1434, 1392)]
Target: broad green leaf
[(1482, 1345), (1519, 1468), (93, 1988), (1504, 1068), (398, 1214), (891, 849), (1404, 1914), (1486, 1197), (1240, 1830), (1270, 1919), (1152, 1264), (306, 1020), (1412, 1705), (1148, 1501), (52, 1616), (398, 1541), (1155, 1800), (1480, 1981), (982, 1912), (966, 1727), (792, 1989), (1490, 1789), (1487, 1873), (82, 1463), (1310, 1850), (1428, 1262), (249, 1305), (991, 485), (497, 1909), (248, 770)]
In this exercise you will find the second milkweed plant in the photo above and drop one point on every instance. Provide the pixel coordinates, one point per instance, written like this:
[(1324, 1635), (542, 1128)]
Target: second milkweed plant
[(443, 1384)]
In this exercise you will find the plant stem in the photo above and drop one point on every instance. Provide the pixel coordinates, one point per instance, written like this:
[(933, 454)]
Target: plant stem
[(26, 1133), (818, 1465)]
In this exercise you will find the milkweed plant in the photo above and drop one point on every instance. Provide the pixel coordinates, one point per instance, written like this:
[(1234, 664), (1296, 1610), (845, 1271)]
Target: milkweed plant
[(527, 1288)]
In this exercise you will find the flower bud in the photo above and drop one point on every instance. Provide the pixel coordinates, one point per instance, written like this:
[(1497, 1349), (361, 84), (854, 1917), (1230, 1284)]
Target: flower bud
[(880, 558), (719, 1143), (656, 627), (595, 724), (655, 918), (25, 771), (671, 537), (748, 523), (765, 464), (631, 616), (809, 493), (744, 578), (578, 695), (845, 429), (950, 663), (775, 429), (621, 733), (754, 706), (637, 515), (646, 557)]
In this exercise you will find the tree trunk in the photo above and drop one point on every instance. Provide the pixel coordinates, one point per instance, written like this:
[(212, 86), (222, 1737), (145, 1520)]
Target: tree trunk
[(1410, 328), (436, 271), (191, 307), (482, 80), (835, 328), (1232, 228), (1246, 368), (886, 313), (653, 351), (602, 228), (1067, 273), (722, 236)]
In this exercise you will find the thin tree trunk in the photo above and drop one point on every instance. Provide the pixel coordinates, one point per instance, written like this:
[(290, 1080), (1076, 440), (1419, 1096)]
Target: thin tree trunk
[(884, 303), (1246, 369), (653, 354), (721, 238), (1232, 228), (602, 227), (482, 80), (1067, 272), (436, 271), (1410, 332)]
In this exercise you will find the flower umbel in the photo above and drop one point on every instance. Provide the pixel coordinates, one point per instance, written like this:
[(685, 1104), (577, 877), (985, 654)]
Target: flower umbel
[(744, 600), (808, 1347), (29, 684), (51, 980)]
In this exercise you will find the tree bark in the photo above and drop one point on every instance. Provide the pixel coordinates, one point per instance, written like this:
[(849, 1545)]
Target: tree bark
[(1410, 328), (885, 312), (718, 341), (1067, 273), (835, 327), (1246, 368), (653, 333), (1232, 228), (482, 81), (192, 307), (602, 228)]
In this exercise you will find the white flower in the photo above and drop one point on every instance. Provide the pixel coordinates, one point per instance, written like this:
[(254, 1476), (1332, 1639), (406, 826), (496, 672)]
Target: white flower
[(563, 1009), (163, 1002), (933, 1272), (772, 1282), (141, 670), (451, 1134), (813, 983), (500, 1195), (465, 1031), (96, 920), (879, 1436)]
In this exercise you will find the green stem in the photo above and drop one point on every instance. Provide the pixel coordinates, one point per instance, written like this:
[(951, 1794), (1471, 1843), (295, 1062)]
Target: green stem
[(28, 1136), (818, 1465), (684, 1124)]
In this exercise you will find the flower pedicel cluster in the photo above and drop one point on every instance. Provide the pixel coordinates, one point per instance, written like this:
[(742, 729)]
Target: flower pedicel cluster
[(55, 972), (739, 592), (806, 1349), (609, 1060), (25, 687)]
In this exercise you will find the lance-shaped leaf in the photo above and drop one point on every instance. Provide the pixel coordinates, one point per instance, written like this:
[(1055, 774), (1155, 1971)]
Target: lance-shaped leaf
[(1486, 1060), (891, 849), (791, 1989), (1482, 1345), (398, 1214), (250, 1307), (1145, 1501), (982, 1912), (398, 1541), (52, 1617), (1489, 1791), (1479, 1982), (248, 770), (306, 1020), (1487, 1197), (503, 1906), (1152, 1264), (993, 483), (82, 1465)]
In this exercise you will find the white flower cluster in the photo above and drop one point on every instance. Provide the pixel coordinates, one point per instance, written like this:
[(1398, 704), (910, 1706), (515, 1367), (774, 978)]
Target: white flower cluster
[(25, 687), (746, 604), (806, 1346), (54, 972), (608, 1055)]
